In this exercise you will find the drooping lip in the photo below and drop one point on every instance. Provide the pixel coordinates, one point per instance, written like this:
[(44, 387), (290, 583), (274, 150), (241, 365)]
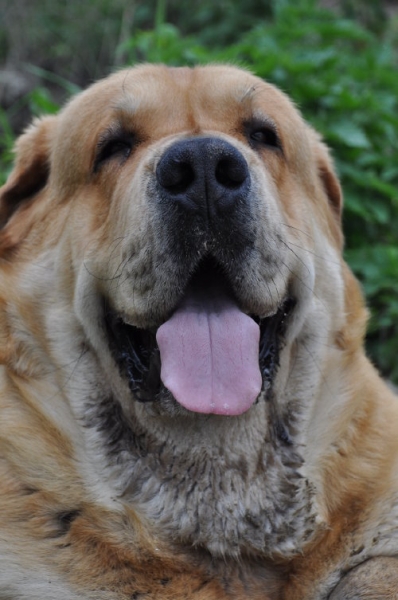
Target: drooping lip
[(137, 354)]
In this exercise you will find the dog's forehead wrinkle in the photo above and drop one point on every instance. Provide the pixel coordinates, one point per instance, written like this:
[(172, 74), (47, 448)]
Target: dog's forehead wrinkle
[(128, 105), (183, 92), (155, 96), (248, 93)]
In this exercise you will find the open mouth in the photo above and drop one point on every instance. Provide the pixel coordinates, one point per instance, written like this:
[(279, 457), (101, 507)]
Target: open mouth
[(209, 355)]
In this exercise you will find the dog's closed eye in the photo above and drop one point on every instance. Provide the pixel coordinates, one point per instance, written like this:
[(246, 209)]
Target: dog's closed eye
[(263, 134), (114, 143)]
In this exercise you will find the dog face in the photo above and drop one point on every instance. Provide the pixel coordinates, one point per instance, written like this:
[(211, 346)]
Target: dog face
[(174, 247)]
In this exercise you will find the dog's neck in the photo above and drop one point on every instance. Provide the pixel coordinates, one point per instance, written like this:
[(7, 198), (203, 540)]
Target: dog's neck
[(223, 486)]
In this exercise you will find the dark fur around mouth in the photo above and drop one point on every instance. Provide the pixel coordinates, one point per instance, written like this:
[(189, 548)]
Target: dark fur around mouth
[(272, 330), (137, 354)]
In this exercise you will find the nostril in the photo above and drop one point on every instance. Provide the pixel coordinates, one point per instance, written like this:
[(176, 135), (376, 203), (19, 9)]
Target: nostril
[(205, 176), (231, 173), (175, 176)]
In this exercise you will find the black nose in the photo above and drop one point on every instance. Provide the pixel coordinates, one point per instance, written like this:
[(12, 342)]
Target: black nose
[(203, 175)]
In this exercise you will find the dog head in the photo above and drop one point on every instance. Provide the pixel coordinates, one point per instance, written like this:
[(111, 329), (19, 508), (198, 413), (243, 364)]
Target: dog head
[(173, 235)]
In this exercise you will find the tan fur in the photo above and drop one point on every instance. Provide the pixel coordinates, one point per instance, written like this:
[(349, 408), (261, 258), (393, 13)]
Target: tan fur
[(376, 578), (79, 522)]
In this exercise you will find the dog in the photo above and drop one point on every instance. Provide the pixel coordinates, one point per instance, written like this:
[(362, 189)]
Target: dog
[(187, 411)]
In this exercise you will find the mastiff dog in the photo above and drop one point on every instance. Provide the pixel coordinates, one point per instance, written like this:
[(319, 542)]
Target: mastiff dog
[(186, 409)]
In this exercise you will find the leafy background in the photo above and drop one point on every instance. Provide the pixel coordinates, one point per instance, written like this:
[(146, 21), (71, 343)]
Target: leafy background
[(337, 59)]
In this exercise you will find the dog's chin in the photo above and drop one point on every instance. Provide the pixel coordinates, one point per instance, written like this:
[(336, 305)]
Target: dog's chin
[(138, 352)]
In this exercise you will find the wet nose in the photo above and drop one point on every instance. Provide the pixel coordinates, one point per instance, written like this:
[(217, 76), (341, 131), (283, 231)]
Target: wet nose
[(206, 176)]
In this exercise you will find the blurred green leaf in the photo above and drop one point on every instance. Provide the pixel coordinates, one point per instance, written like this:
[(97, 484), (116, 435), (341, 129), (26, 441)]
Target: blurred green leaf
[(349, 134), (40, 102)]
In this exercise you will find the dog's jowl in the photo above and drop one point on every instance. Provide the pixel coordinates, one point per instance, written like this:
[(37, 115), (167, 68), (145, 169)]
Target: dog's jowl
[(186, 410)]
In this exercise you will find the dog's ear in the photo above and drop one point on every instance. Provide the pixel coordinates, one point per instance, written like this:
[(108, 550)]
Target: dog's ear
[(31, 170), (328, 177)]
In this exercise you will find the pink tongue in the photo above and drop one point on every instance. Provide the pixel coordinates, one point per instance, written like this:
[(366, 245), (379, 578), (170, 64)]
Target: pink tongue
[(209, 355)]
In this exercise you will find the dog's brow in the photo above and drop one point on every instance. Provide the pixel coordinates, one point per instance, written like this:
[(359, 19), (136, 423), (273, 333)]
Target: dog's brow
[(127, 104), (261, 116)]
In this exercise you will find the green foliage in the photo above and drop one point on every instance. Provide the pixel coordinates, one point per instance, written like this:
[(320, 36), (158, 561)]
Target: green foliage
[(76, 40), (165, 45), (342, 75), (377, 266), (6, 145), (38, 102)]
